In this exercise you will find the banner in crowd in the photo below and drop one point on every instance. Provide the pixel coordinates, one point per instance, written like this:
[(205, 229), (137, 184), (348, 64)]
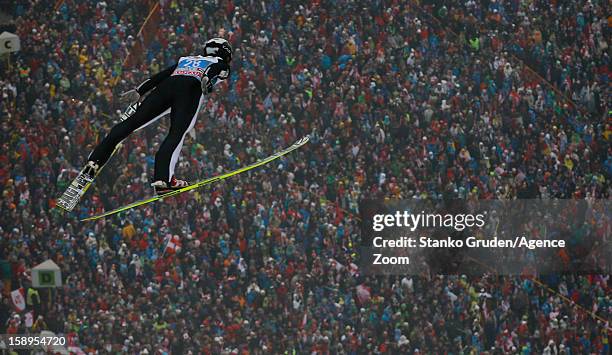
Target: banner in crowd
[(18, 297)]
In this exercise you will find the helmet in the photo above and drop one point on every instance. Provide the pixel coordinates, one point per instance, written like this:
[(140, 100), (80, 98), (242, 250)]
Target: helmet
[(218, 47)]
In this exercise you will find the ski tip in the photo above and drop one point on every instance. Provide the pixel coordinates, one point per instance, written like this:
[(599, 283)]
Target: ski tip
[(63, 206)]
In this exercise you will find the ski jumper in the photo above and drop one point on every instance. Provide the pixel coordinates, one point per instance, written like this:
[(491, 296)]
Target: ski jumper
[(178, 90)]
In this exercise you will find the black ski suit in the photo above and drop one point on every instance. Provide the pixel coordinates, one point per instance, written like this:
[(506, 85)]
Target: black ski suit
[(177, 90)]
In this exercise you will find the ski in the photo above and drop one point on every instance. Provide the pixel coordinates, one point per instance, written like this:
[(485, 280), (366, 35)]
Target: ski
[(78, 187), (208, 181)]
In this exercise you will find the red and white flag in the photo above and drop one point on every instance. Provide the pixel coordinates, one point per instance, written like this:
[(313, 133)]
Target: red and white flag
[(18, 297), (174, 244)]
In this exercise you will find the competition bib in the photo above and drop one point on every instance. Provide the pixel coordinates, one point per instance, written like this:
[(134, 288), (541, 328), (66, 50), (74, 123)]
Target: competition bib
[(193, 66)]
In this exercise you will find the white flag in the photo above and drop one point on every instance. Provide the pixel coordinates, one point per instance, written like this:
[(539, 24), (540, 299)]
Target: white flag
[(29, 319), (353, 269)]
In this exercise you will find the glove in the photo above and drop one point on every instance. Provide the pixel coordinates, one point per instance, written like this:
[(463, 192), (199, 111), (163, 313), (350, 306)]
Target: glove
[(130, 96), (207, 85)]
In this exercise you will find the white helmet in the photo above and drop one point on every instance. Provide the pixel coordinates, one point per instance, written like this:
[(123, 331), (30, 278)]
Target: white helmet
[(218, 47)]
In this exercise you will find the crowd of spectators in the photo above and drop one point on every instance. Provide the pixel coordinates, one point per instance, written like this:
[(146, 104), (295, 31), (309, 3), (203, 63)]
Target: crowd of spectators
[(474, 100)]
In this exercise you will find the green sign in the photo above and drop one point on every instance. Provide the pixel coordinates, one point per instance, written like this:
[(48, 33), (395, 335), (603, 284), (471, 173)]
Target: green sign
[(46, 278), (46, 274)]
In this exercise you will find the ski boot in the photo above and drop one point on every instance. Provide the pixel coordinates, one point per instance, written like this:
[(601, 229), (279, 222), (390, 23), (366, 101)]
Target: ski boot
[(163, 187)]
